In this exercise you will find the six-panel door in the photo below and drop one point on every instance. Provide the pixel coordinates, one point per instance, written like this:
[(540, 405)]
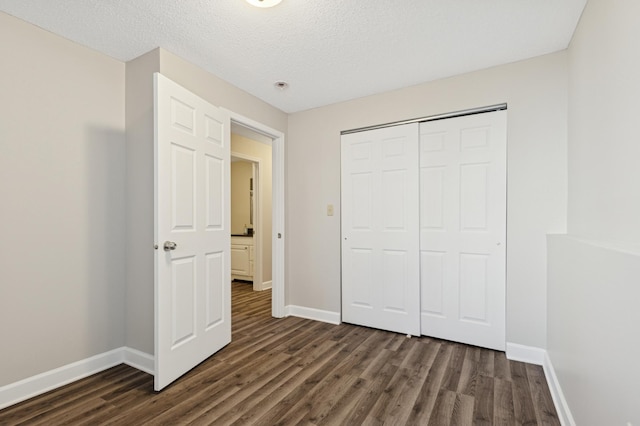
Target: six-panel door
[(380, 270), (424, 251), (463, 229), (192, 289)]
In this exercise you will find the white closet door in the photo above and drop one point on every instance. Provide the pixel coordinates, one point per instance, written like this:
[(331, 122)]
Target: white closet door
[(380, 213), (463, 229)]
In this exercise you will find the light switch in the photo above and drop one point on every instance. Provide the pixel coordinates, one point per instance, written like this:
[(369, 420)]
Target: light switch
[(329, 209)]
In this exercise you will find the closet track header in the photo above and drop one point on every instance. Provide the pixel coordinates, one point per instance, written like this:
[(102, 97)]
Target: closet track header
[(472, 111)]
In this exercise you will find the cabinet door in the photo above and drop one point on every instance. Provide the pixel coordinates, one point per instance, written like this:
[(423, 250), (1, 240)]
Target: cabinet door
[(240, 260)]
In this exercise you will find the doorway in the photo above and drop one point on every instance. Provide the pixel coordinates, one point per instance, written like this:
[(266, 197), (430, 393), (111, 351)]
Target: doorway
[(251, 212), (254, 130)]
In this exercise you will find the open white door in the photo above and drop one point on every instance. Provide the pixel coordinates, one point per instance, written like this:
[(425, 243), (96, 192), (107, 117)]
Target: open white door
[(380, 245), (463, 214), (192, 277)]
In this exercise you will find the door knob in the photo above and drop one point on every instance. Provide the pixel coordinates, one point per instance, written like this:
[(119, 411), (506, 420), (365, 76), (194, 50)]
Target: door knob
[(169, 245)]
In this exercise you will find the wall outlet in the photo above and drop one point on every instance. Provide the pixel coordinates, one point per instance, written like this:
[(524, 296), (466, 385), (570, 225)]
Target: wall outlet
[(329, 209)]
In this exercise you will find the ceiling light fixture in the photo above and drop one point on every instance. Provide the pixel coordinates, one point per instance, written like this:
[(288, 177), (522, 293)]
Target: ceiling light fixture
[(282, 85), (264, 3)]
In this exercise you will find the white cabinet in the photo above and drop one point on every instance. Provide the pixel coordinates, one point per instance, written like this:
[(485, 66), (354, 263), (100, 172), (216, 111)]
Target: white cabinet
[(242, 258)]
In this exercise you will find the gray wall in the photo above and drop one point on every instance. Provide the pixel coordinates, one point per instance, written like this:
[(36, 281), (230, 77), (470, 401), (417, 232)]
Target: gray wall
[(139, 229), (62, 180), (594, 283), (536, 93)]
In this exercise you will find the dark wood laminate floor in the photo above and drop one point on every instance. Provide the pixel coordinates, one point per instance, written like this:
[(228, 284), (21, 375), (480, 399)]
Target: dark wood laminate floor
[(296, 371)]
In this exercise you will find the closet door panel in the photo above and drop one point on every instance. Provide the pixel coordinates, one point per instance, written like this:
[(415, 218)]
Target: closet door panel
[(463, 221), (380, 216)]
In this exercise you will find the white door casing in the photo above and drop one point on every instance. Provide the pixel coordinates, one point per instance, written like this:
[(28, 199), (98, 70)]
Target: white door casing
[(192, 196), (278, 211), (380, 248), (463, 229)]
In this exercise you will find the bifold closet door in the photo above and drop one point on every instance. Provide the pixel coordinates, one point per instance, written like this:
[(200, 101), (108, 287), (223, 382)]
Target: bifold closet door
[(380, 214), (463, 229)]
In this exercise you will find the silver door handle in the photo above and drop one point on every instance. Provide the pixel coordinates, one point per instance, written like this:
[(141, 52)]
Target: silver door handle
[(169, 245)]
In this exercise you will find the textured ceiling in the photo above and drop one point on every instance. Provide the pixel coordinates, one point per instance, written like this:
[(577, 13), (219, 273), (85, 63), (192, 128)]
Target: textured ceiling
[(327, 50)]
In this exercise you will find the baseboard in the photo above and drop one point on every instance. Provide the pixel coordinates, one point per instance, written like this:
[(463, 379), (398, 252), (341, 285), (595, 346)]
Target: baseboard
[(139, 360), (564, 413), (528, 354), (538, 356), (14, 393), (314, 314), (267, 285)]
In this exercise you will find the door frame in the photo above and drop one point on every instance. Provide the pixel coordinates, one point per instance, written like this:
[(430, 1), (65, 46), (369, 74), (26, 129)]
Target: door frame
[(278, 284)]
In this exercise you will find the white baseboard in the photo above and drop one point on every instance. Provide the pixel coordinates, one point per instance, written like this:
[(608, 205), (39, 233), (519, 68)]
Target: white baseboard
[(564, 413), (266, 285), (44, 382), (314, 314), (528, 354), (537, 356), (139, 360)]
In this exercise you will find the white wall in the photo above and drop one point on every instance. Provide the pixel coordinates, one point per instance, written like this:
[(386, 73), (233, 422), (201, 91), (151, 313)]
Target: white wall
[(62, 285), (536, 93), (594, 272), (241, 175), (593, 329), (604, 200)]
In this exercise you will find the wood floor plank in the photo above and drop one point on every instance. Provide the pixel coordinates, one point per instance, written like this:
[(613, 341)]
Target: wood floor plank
[(359, 408), (341, 378), (397, 401), (422, 408), (454, 369), (501, 367), (371, 381), (467, 381), (54, 399), (486, 363), (273, 397), (299, 371), (523, 408), (208, 404), (443, 408), (483, 401), (247, 399), (503, 413), (462, 414), (542, 401), (300, 392)]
